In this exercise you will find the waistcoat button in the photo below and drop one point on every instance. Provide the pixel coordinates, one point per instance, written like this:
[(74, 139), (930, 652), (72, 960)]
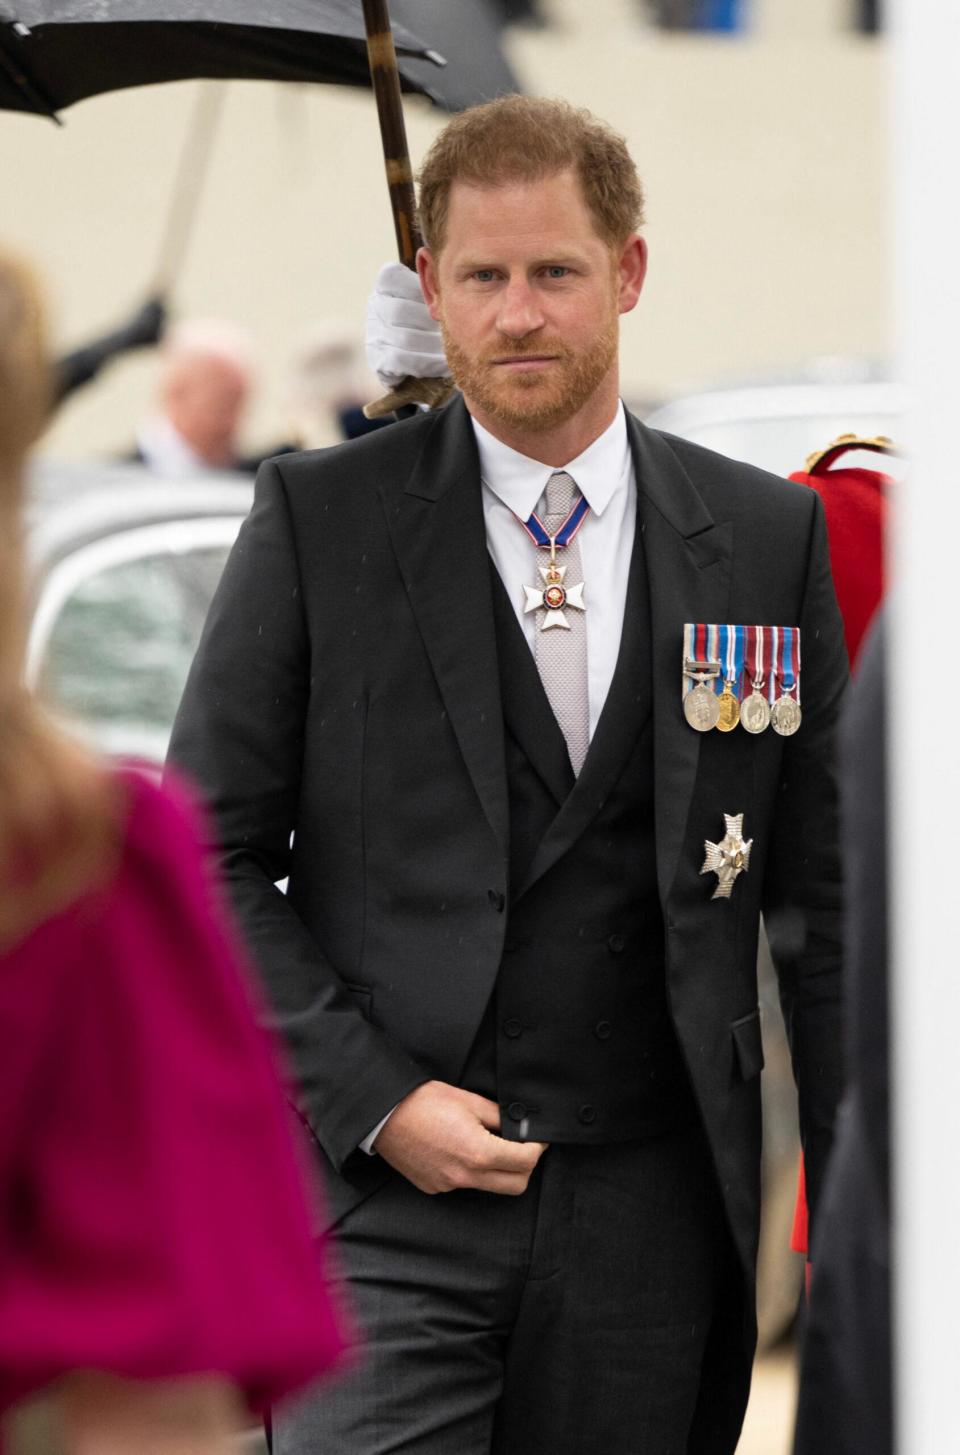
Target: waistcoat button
[(516, 1111), (587, 1114), (602, 1030), (512, 1028), (496, 899), (617, 944)]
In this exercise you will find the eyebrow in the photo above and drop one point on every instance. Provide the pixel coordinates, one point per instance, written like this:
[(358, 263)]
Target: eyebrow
[(554, 260)]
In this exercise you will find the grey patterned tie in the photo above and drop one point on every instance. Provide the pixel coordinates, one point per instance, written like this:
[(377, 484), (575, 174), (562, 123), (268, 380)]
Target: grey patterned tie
[(561, 656)]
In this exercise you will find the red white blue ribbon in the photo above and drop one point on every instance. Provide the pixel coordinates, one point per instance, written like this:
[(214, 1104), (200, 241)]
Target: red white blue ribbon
[(539, 534)]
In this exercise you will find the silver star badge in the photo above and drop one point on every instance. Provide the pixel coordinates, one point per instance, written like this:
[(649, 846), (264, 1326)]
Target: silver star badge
[(554, 597), (728, 858)]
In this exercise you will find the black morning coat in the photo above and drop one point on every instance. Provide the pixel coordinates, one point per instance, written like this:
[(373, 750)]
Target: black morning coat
[(343, 718)]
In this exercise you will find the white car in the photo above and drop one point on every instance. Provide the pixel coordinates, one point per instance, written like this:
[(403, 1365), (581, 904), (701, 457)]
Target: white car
[(776, 426), (123, 567)]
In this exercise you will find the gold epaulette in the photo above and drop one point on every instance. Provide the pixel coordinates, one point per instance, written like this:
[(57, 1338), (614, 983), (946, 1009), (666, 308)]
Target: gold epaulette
[(821, 460)]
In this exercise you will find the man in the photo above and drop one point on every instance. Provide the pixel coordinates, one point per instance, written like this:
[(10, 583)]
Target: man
[(499, 961), (205, 385)]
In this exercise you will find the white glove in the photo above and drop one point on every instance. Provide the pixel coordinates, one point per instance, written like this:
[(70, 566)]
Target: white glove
[(402, 339)]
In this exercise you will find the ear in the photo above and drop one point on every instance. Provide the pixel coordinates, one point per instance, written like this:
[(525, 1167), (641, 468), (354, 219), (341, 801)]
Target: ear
[(427, 273), (632, 268)]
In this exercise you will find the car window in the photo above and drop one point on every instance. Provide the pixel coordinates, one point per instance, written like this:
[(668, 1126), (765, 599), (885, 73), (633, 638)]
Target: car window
[(117, 626)]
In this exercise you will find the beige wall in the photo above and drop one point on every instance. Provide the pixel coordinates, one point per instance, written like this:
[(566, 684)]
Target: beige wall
[(764, 160)]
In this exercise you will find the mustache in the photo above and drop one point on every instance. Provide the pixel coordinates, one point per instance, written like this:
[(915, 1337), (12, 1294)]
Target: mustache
[(525, 349)]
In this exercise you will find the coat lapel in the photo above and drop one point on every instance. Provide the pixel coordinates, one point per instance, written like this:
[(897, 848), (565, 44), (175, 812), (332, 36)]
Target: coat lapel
[(437, 530), (688, 558), (680, 571)]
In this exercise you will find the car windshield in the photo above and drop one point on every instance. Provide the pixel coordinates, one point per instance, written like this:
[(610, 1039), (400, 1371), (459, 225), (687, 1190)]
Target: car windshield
[(116, 627), (120, 649)]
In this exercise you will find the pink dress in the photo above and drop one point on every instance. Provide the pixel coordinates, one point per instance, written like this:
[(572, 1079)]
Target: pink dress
[(153, 1218)]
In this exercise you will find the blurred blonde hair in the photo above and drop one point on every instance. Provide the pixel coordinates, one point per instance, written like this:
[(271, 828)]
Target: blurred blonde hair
[(57, 809)]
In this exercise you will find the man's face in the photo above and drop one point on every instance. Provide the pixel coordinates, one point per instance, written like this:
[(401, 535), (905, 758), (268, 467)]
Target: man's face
[(528, 297), (205, 400)]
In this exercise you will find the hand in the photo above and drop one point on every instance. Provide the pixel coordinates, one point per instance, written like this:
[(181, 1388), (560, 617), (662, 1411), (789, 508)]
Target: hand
[(441, 1138), (108, 1414), (402, 339)]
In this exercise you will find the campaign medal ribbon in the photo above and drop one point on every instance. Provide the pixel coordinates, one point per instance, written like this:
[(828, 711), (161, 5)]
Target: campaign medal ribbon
[(755, 710), (554, 597), (785, 715), (701, 705), (731, 655)]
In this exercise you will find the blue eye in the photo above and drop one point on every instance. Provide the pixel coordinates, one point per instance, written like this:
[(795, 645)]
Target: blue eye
[(484, 275), (557, 271)]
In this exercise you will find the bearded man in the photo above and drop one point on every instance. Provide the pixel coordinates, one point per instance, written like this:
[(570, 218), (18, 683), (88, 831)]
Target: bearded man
[(459, 684)]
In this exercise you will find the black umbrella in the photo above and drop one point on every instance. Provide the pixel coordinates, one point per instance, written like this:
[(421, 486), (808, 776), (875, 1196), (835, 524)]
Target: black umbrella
[(469, 38), (56, 52)]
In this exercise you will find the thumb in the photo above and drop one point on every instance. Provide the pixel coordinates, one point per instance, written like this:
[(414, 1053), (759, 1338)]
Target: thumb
[(487, 1113)]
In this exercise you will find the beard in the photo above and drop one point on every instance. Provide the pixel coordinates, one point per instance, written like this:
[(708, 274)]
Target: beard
[(533, 401)]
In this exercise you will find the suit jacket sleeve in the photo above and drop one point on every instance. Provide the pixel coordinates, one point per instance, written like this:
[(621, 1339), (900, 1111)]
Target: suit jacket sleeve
[(802, 895), (239, 736)]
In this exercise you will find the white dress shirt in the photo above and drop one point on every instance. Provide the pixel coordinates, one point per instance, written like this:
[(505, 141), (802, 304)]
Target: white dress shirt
[(512, 486), (166, 452)]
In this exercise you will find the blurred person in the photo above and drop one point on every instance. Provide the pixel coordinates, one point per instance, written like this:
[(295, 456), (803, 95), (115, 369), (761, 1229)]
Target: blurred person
[(327, 386), (845, 1403), (521, 1001), (158, 1277), (855, 502), (207, 375)]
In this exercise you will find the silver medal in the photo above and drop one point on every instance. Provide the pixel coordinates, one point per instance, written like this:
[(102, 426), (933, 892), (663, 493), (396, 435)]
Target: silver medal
[(554, 598), (755, 712), (785, 716), (728, 859), (701, 707)]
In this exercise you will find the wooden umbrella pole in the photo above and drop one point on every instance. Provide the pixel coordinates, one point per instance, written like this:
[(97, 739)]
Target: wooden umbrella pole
[(396, 155)]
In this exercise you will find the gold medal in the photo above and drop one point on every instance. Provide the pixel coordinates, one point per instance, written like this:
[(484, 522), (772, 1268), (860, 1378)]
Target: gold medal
[(729, 715)]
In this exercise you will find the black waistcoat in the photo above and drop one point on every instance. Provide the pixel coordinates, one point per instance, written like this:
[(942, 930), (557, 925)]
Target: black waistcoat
[(577, 1044)]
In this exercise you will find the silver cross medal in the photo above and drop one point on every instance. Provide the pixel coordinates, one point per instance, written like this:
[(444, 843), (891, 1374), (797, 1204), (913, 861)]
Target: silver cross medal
[(728, 858), (553, 596)]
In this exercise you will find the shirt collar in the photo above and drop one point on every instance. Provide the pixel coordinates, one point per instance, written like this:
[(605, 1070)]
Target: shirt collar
[(600, 471), (165, 450)]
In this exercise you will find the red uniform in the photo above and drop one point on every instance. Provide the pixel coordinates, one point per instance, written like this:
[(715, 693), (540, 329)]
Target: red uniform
[(855, 504)]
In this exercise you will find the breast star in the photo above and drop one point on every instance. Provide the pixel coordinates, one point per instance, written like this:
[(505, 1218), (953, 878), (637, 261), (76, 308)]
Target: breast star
[(728, 858), (553, 597)]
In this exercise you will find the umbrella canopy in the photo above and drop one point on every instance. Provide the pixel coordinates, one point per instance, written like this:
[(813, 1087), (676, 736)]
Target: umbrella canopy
[(476, 69), (56, 52)]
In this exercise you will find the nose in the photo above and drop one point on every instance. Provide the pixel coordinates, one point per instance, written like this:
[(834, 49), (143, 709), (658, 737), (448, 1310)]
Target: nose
[(520, 312)]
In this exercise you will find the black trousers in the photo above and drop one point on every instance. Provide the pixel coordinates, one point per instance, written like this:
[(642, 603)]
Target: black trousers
[(567, 1321)]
